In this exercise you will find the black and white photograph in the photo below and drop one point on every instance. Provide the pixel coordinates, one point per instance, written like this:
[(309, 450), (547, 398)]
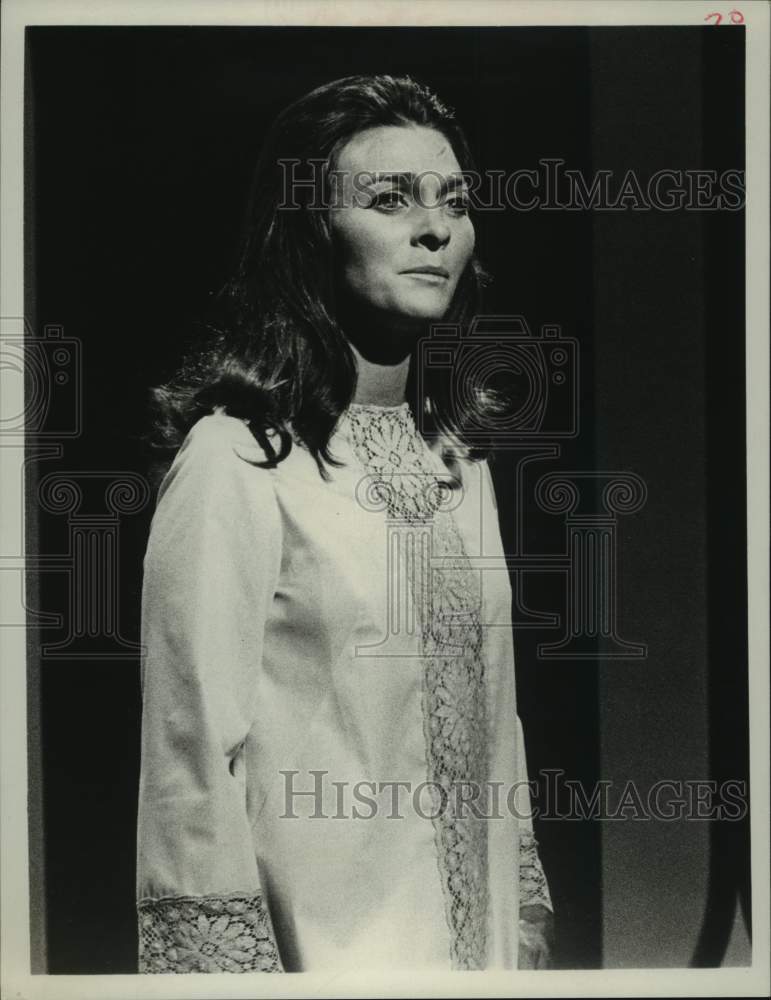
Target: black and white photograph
[(384, 448)]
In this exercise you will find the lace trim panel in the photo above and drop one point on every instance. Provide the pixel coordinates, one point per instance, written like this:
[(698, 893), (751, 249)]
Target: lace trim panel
[(533, 886), (447, 602), (206, 934), (455, 720)]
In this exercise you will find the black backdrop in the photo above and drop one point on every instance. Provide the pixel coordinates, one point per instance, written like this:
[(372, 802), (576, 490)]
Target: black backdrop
[(140, 145)]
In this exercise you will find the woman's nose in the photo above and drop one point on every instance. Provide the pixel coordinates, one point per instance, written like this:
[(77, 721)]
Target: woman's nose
[(431, 230)]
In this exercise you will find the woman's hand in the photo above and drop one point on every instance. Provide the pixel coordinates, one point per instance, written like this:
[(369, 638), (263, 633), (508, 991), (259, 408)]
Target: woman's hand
[(536, 936)]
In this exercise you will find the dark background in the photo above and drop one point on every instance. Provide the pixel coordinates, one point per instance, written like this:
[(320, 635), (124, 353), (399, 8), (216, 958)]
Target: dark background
[(139, 149)]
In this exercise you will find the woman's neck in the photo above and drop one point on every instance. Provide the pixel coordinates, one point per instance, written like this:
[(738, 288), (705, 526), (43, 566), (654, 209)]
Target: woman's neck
[(382, 346), (380, 384)]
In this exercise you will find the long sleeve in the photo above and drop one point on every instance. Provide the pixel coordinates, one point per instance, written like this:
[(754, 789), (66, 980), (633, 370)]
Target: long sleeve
[(533, 885), (210, 574)]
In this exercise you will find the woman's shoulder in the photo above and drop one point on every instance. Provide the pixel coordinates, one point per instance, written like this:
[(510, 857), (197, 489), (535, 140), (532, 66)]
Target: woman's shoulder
[(218, 448), (220, 436), (217, 487)]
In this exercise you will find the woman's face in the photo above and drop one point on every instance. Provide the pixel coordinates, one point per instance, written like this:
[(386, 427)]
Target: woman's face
[(400, 221)]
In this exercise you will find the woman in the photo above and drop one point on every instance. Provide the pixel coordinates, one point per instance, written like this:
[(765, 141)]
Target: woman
[(329, 702)]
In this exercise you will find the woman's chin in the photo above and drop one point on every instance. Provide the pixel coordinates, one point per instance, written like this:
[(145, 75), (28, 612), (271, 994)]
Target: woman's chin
[(426, 309)]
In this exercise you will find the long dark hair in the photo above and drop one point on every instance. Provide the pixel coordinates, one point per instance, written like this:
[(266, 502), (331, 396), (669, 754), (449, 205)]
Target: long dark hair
[(278, 357)]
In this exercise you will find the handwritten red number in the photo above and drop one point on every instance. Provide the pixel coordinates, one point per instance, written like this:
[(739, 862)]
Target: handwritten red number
[(736, 17)]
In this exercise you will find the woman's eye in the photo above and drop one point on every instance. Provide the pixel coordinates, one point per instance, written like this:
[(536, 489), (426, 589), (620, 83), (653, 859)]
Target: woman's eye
[(458, 204), (389, 200)]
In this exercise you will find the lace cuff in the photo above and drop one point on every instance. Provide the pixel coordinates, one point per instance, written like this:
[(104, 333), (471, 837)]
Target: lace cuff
[(533, 887), (206, 934)]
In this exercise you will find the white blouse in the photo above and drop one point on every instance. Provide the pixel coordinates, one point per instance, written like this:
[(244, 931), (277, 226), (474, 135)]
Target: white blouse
[(333, 769)]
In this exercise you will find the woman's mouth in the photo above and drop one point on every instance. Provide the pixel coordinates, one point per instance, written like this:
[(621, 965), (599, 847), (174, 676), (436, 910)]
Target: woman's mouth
[(432, 275)]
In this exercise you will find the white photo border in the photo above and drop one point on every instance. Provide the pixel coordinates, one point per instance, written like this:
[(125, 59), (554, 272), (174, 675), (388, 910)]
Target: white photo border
[(15, 953)]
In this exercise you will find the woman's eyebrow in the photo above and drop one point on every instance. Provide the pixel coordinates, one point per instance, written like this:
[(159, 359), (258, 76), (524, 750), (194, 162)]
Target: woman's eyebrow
[(406, 179), (401, 179)]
